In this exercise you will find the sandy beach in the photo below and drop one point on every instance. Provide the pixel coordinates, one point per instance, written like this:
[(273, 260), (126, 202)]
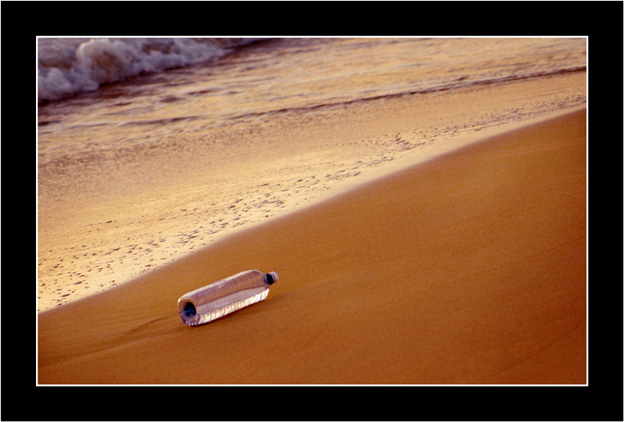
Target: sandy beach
[(108, 215), (468, 267)]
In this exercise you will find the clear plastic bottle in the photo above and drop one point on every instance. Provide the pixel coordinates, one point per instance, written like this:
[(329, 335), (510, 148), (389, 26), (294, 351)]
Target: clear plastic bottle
[(225, 296)]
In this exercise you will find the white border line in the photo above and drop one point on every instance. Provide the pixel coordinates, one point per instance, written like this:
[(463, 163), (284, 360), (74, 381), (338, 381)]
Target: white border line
[(335, 385)]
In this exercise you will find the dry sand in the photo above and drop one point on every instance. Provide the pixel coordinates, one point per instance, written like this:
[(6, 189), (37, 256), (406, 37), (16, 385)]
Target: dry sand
[(467, 269)]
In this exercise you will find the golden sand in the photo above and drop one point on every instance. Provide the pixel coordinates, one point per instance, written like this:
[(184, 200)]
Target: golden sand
[(466, 269)]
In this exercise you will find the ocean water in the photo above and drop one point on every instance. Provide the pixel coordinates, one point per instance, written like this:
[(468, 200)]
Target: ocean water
[(105, 104), (233, 79), (68, 66)]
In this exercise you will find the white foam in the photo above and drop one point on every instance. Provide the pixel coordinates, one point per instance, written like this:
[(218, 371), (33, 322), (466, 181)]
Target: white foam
[(68, 66)]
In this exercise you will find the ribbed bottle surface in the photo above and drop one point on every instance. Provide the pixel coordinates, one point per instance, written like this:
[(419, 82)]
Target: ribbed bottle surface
[(223, 297)]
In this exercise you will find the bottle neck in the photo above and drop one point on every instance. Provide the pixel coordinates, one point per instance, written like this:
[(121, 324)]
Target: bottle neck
[(271, 277)]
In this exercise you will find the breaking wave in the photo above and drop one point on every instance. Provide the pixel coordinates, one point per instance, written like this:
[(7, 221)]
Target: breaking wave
[(67, 66)]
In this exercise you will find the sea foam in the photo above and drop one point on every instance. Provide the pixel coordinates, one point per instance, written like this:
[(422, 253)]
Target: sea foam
[(67, 66)]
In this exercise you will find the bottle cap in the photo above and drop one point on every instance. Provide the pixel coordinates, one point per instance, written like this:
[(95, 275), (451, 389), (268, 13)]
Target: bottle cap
[(271, 277)]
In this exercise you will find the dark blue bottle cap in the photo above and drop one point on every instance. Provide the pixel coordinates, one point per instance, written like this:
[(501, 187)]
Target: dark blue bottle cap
[(271, 277)]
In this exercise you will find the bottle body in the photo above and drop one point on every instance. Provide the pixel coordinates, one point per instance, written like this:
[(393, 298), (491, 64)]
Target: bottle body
[(224, 297)]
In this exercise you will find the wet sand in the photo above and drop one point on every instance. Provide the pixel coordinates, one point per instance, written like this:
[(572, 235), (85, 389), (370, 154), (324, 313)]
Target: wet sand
[(469, 268), (108, 216)]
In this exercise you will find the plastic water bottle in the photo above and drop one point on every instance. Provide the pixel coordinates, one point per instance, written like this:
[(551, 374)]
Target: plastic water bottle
[(225, 296)]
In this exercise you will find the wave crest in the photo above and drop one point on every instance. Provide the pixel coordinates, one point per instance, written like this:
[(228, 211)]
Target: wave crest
[(72, 65)]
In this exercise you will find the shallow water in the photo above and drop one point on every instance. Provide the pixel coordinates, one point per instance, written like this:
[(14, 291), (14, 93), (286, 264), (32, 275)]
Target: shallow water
[(284, 76)]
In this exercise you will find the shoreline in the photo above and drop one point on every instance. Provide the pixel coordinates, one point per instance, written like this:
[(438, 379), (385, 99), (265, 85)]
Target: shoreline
[(454, 271), (91, 240)]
